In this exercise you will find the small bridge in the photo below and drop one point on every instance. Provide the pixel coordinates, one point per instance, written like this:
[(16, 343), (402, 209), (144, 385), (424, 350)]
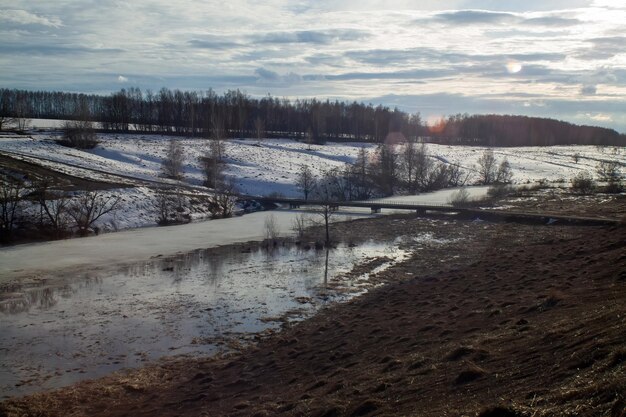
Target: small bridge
[(422, 209), (375, 206)]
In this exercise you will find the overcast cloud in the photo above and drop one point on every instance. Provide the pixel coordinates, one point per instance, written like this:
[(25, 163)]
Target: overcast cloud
[(562, 59)]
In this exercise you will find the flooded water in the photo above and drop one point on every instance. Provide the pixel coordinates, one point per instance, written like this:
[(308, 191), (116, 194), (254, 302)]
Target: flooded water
[(197, 303)]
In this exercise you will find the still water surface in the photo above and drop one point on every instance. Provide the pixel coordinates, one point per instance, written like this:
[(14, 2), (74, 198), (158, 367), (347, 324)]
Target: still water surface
[(96, 323)]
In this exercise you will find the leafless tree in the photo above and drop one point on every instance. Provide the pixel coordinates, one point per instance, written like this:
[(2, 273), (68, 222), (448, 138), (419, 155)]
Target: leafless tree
[(270, 228), (86, 208), (224, 199), (305, 181), (610, 171), (212, 167), (504, 173), (79, 132), (299, 224), (487, 167), (11, 193), (53, 206), (172, 165), (165, 207), (309, 138), (259, 127)]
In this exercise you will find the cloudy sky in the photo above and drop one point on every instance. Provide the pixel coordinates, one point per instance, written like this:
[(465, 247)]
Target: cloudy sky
[(561, 59)]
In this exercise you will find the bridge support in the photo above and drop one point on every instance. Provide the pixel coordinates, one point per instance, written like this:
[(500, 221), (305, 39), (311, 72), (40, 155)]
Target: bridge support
[(375, 210), (294, 205), (333, 207)]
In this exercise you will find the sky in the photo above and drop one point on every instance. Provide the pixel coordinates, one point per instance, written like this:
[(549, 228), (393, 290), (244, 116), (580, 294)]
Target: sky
[(559, 59)]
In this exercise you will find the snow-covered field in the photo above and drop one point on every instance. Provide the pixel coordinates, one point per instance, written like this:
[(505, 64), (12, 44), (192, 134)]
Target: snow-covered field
[(262, 168), (271, 166)]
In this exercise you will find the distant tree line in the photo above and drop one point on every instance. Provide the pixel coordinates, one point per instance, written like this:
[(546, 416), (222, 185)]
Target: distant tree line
[(498, 130), (235, 114)]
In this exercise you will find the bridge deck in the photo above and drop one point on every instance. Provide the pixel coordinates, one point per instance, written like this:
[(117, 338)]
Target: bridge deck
[(376, 206)]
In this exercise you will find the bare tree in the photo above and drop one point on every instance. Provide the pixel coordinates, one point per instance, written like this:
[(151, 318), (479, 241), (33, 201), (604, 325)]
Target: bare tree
[(359, 177), (170, 205), (11, 193), (326, 211), (223, 200), (487, 167), (385, 169), (212, 166), (270, 228), (79, 133), (504, 173), (53, 206), (309, 138), (21, 113), (172, 165), (299, 224), (305, 181), (165, 204), (259, 126), (86, 208), (610, 171)]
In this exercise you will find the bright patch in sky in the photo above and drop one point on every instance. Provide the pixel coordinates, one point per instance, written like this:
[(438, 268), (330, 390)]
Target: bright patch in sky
[(513, 67), (435, 57)]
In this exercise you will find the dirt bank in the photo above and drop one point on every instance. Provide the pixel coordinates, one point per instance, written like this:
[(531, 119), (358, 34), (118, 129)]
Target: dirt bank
[(530, 319)]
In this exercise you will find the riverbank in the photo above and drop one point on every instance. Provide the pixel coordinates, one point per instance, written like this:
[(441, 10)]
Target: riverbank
[(527, 318)]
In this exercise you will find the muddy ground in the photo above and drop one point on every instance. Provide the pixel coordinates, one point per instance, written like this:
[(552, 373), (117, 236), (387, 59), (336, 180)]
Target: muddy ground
[(502, 320)]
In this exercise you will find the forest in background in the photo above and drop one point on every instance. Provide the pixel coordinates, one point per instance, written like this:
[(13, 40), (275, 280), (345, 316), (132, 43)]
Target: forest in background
[(236, 114)]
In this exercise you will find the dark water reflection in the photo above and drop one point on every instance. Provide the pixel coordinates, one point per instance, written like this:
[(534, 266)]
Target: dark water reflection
[(93, 324)]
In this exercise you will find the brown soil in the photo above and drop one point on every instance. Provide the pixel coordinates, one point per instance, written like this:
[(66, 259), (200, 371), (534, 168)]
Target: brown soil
[(567, 203), (511, 320)]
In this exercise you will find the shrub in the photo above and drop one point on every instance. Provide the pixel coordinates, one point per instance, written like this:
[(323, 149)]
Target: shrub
[(499, 191), (583, 183), (78, 134), (460, 198)]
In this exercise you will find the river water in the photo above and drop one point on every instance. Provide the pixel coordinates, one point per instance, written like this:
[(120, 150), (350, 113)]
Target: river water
[(88, 325)]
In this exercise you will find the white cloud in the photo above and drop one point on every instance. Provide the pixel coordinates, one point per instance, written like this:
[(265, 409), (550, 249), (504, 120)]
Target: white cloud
[(22, 17), (556, 52)]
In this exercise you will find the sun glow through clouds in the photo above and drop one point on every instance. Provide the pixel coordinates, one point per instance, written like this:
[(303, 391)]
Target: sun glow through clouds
[(513, 67)]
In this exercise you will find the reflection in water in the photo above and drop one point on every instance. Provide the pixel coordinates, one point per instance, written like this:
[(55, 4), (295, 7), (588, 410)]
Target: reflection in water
[(188, 304)]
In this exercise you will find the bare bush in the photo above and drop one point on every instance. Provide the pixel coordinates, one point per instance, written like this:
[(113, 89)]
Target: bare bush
[(53, 206), (86, 208), (460, 198), (270, 228), (223, 200), (610, 172), (498, 191), (78, 134), (300, 224), (583, 183), (172, 165), (11, 194), (504, 173)]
